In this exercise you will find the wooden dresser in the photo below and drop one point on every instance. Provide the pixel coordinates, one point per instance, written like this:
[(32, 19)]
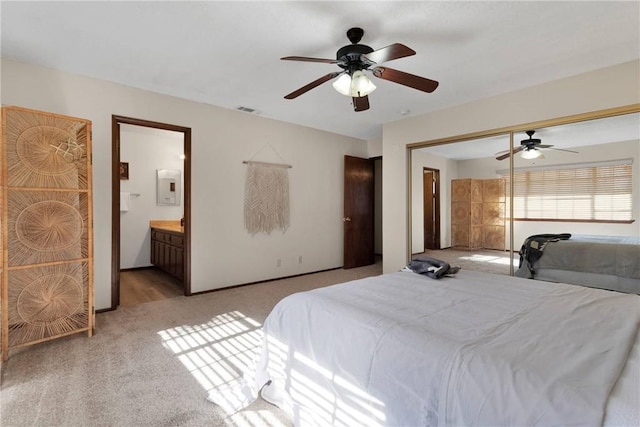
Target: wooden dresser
[(167, 247)]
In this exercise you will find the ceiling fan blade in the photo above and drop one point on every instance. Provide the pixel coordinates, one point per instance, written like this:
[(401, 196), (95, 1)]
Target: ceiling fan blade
[(307, 59), (360, 103), (308, 87), (502, 156), (562, 149), (389, 53), (542, 146), (406, 79)]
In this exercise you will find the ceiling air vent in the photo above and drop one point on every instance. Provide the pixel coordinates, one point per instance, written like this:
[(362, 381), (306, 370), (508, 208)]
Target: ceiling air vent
[(248, 110)]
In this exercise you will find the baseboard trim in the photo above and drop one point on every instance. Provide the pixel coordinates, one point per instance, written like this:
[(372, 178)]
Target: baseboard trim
[(232, 286), (104, 310), (149, 267), (263, 281)]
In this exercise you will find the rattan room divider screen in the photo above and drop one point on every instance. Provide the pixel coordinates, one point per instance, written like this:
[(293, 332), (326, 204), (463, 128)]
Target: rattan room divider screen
[(46, 226), (478, 213)]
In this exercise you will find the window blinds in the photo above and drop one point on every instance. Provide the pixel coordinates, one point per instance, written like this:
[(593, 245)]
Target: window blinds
[(583, 192)]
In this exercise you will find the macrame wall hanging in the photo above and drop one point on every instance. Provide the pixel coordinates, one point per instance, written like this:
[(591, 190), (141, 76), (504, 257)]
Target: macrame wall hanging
[(266, 197)]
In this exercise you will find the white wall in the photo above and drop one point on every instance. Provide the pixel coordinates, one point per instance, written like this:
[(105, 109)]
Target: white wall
[(146, 150), (606, 88), (222, 252), (374, 147)]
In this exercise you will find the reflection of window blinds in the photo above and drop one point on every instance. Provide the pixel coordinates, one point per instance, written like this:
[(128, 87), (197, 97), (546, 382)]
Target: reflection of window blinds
[(505, 172), (588, 191)]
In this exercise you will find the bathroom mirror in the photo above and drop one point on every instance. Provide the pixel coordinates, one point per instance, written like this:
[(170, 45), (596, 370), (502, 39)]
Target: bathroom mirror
[(168, 187)]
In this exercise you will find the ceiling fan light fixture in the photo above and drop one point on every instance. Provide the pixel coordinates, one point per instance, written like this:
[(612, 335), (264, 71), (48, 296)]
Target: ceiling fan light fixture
[(361, 85), (358, 85), (343, 85), (531, 153)]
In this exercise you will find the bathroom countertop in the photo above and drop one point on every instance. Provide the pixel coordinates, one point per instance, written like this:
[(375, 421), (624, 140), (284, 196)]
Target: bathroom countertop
[(167, 224)]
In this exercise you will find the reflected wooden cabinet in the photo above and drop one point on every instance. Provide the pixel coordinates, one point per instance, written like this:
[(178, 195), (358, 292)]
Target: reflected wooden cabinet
[(46, 226), (477, 213), (167, 251)]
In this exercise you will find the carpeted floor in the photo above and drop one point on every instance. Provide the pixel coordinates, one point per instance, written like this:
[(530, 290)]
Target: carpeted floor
[(489, 261), (152, 364)]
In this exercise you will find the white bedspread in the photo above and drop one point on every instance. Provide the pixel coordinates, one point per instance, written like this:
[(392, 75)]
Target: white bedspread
[(478, 349)]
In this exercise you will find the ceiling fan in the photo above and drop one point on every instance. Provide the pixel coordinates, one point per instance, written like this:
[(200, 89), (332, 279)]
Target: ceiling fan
[(530, 148), (355, 59)]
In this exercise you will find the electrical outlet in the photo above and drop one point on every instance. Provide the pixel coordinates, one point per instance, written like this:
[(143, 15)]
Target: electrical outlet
[(300, 259), (279, 262)]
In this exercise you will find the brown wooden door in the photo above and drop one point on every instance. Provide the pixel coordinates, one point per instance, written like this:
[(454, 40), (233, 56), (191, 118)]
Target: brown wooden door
[(358, 212), (431, 208)]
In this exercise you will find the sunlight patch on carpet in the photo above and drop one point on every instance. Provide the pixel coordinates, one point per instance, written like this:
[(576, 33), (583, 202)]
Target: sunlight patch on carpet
[(254, 419), (218, 353), (503, 260)]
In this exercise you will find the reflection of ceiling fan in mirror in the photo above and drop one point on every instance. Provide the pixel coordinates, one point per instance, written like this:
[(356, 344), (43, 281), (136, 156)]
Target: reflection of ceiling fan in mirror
[(530, 148)]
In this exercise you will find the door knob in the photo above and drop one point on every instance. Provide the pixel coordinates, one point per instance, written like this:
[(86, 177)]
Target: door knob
[(346, 219)]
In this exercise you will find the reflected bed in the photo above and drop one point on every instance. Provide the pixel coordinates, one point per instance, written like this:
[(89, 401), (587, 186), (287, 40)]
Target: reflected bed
[(605, 262)]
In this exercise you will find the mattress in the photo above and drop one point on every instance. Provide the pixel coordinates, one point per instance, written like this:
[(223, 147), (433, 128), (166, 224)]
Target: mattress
[(475, 349), (605, 262)]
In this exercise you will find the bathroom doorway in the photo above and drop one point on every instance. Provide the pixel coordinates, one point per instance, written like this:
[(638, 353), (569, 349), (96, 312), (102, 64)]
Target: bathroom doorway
[(122, 169)]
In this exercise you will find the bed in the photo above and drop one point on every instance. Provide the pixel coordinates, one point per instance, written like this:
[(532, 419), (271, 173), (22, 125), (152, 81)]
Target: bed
[(403, 349), (605, 262)]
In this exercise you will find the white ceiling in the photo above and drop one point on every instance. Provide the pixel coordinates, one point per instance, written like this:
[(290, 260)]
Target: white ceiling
[(227, 53), (571, 136)]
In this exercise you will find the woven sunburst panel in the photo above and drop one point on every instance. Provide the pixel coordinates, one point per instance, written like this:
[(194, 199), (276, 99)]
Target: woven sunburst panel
[(476, 191), (460, 190), (460, 235), (460, 212), (46, 226), (493, 237), (476, 214), (47, 271), (493, 190), (493, 213), (46, 302), (45, 150), (476, 237)]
